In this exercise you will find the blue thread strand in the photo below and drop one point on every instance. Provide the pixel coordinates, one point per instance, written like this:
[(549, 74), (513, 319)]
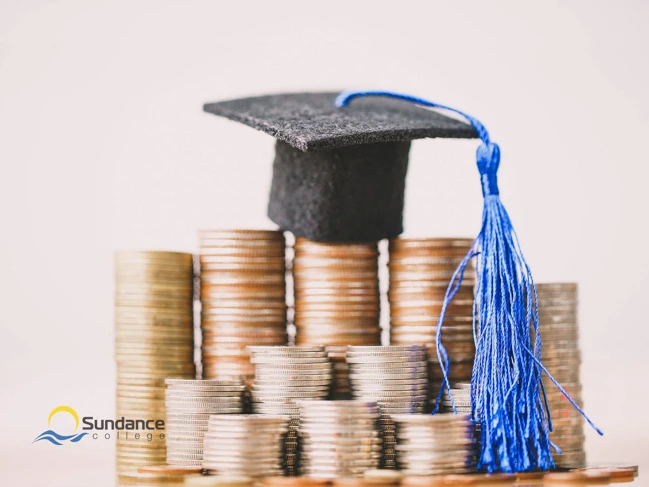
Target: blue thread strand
[(508, 396)]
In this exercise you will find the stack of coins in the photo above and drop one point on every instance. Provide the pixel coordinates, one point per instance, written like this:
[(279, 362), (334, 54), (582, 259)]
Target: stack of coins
[(245, 444), (394, 377), (220, 481), (162, 475), (340, 385), (560, 354), (339, 438), (243, 297), (153, 340), (420, 272), (461, 398), (337, 301), (435, 444), (336, 293), (283, 377), (189, 404)]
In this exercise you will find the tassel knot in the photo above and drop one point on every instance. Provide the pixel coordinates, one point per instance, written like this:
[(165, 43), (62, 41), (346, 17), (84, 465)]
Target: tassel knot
[(488, 159)]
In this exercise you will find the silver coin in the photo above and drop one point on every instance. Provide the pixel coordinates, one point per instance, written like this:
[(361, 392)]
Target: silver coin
[(175, 412), (389, 389), (359, 350), (202, 401), (362, 381), (392, 368), (276, 388), (294, 368), (215, 456), (379, 376), (360, 362), (299, 381)]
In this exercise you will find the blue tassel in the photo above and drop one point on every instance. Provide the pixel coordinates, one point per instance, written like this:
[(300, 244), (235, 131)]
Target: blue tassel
[(508, 399)]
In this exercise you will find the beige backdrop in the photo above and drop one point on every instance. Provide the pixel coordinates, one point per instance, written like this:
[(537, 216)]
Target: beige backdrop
[(104, 146)]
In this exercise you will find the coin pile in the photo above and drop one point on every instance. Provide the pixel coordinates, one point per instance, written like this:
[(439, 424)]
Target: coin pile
[(337, 301), (561, 356), (156, 476), (340, 385), (189, 404), (435, 444), (283, 377), (245, 444), (336, 293), (243, 298), (396, 378), (339, 438), (220, 481), (153, 340), (420, 272), (461, 398)]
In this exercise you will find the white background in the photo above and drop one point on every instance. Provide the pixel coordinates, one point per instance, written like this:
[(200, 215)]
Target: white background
[(104, 146)]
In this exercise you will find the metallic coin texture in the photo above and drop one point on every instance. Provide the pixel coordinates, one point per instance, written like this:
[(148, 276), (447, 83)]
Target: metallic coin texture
[(243, 298), (420, 270), (154, 339)]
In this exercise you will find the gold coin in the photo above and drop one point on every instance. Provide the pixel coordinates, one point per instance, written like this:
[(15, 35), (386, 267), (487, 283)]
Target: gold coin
[(156, 317), (169, 469), (220, 481), (182, 258)]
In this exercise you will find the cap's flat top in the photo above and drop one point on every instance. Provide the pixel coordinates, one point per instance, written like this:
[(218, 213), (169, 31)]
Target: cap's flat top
[(311, 121)]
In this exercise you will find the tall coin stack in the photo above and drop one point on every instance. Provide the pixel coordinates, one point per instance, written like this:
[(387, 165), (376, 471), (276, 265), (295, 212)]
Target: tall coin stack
[(560, 354), (189, 404), (249, 445), (339, 438), (153, 340), (396, 378), (420, 272), (337, 301), (435, 444), (283, 377), (243, 298)]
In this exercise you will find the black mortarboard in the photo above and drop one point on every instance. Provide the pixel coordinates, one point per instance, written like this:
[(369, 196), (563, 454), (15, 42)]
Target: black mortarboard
[(339, 173)]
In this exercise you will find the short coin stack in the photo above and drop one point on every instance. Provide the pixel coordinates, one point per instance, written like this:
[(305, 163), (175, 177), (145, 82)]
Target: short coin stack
[(396, 378), (420, 271), (283, 377), (157, 476), (461, 399), (340, 385), (189, 404), (435, 444), (339, 438), (243, 297), (561, 356), (248, 445), (153, 340)]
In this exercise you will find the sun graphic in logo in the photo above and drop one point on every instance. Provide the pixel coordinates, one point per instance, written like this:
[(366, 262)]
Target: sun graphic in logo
[(55, 438)]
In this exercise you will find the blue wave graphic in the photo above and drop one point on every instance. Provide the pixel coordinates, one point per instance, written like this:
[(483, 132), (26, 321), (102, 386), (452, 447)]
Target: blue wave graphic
[(55, 438)]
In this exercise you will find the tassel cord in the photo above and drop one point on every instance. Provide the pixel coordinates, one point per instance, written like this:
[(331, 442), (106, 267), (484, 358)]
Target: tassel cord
[(508, 395)]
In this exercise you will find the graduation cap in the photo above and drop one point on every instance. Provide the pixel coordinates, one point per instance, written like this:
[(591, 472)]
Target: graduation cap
[(339, 176), (339, 173)]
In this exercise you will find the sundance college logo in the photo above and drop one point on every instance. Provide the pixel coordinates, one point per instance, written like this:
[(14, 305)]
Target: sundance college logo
[(128, 429)]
